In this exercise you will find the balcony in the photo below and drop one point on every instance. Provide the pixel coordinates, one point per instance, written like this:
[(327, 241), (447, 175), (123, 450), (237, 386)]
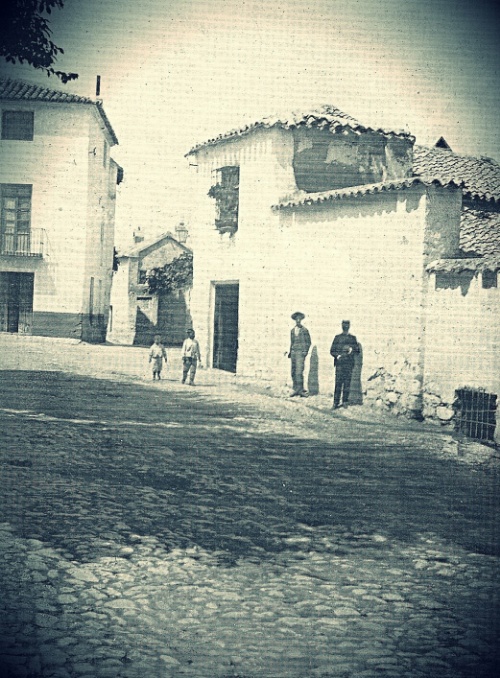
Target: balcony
[(23, 244), (227, 224)]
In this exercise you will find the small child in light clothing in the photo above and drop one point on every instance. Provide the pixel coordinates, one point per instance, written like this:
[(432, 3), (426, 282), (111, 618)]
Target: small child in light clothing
[(190, 357), (157, 354)]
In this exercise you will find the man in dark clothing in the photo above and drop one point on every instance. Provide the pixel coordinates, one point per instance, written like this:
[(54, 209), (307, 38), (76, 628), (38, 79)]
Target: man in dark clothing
[(300, 343), (343, 349)]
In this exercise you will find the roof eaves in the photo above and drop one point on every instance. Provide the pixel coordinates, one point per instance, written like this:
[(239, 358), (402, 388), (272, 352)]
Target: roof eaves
[(303, 199), (18, 90), (145, 248), (486, 197), (105, 119), (309, 120), (459, 265)]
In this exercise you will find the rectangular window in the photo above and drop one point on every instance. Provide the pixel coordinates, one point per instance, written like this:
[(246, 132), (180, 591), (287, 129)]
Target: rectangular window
[(142, 276), (18, 125), (15, 225), (490, 279), (226, 194), (105, 154), (476, 413)]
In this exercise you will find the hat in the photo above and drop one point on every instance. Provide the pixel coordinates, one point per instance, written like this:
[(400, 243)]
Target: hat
[(298, 316)]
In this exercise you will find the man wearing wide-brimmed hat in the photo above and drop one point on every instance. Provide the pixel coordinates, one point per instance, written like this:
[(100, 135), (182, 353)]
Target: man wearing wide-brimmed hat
[(300, 343)]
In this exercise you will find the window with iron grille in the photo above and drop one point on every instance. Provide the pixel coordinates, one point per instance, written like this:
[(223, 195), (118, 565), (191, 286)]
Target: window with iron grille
[(475, 413), (15, 221), (18, 125), (226, 195)]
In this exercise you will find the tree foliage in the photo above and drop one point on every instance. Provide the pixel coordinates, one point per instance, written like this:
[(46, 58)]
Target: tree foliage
[(173, 276), (25, 35)]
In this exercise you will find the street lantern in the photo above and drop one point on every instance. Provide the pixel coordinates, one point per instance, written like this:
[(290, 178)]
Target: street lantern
[(181, 232)]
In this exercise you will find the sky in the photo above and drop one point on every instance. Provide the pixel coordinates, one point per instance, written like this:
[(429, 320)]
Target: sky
[(178, 72)]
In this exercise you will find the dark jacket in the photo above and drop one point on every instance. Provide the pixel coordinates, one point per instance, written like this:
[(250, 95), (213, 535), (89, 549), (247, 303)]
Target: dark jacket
[(300, 342), (340, 350)]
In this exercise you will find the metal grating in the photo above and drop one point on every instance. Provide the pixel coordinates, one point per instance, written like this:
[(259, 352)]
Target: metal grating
[(475, 413)]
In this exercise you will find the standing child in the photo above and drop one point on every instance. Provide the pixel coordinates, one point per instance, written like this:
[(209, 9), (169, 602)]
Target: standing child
[(190, 357), (157, 355)]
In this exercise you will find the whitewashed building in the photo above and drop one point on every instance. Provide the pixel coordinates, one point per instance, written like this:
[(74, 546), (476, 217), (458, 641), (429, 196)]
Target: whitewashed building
[(136, 313), (462, 338), (58, 192), (319, 213)]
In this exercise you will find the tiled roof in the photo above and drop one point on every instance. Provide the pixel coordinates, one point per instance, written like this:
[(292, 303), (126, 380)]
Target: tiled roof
[(480, 233), (143, 248), (303, 198), (480, 176), (479, 244), (23, 91), (17, 90), (324, 117)]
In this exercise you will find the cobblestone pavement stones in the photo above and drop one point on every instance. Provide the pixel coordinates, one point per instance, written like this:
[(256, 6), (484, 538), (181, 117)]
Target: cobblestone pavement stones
[(157, 530)]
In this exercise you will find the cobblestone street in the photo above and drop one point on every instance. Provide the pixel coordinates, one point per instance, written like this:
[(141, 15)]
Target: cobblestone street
[(157, 530)]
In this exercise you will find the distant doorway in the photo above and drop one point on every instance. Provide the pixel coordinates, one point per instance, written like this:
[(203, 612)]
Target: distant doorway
[(225, 348), (16, 302)]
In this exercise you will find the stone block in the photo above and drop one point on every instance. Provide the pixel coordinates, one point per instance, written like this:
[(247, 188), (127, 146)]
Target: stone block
[(445, 413)]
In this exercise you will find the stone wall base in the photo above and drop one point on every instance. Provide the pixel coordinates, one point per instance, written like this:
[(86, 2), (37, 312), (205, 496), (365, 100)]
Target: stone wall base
[(69, 325), (401, 392)]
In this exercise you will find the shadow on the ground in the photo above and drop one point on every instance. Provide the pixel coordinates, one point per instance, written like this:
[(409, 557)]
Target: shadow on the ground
[(194, 471)]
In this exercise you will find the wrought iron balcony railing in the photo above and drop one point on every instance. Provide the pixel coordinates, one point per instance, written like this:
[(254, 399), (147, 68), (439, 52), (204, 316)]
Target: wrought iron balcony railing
[(23, 244)]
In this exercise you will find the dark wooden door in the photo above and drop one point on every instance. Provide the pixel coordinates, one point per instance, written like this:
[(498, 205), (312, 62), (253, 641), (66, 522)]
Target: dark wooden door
[(25, 318), (12, 302), (225, 349), (19, 302)]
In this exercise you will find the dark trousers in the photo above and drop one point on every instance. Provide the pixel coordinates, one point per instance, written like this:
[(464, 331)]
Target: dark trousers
[(189, 366), (343, 375), (298, 360)]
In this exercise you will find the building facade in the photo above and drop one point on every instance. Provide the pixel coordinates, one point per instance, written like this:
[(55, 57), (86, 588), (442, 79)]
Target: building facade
[(321, 214), (58, 192), (136, 314), (462, 342)]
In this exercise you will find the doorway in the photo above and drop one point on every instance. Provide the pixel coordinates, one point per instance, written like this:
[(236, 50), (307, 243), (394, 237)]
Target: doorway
[(16, 302), (225, 348)]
